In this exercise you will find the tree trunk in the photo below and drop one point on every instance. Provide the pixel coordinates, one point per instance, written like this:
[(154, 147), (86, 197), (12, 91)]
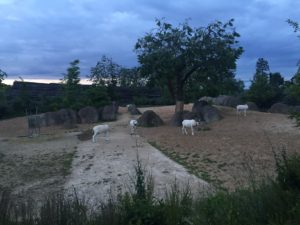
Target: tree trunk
[(179, 106), (179, 98)]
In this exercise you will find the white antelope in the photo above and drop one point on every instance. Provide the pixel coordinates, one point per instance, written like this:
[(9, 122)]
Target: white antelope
[(103, 128), (241, 108), (133, 124), (189, 124)]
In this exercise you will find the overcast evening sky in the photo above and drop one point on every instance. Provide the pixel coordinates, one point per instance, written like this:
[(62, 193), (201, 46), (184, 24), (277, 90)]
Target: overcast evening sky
[(39, 38)]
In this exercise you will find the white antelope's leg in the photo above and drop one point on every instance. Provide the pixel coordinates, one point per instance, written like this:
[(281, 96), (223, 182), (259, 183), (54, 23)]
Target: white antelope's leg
[(192, 130), (106, 135), (94, 137)]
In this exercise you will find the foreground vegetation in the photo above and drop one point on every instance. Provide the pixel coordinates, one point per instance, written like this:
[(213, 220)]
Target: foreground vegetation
[(271, 202)]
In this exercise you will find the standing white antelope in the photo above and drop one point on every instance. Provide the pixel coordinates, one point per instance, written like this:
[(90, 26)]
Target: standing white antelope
[(103, 128), (133, 124), (241, 108), (189, 124)]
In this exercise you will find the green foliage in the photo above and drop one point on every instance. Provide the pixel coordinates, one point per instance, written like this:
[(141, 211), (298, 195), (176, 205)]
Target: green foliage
[(106, 72), (170, 56), (288, 170), (266, 88), (71, 85), (293, 89), (2, 76), (294, 24), (97, 96), (131, 78), (296, 116)]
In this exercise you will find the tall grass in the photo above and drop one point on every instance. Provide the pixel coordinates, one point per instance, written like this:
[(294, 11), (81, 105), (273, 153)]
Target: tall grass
[(273, 202)]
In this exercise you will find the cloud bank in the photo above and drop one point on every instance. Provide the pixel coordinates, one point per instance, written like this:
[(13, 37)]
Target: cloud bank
[(39, 38)]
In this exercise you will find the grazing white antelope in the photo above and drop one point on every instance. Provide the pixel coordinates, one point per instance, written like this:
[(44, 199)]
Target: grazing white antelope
[(241, 108), (133, 124), (189, 124), (103, 128)]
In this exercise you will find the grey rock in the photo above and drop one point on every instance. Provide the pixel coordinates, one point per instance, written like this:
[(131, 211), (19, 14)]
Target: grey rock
[(150, 119), (88, 114)]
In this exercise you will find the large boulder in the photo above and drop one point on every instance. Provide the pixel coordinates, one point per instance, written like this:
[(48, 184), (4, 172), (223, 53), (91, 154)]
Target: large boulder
[(51, 118), (198, 106), (208, 99), (133, 110), (226, 100), (109, 113), (88, 114), (206, 112), (210, 114), (67, 118), (252, 106), (280, 108), (150, 119)]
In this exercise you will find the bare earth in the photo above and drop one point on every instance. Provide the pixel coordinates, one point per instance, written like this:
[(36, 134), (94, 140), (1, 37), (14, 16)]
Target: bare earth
[(227, 153)]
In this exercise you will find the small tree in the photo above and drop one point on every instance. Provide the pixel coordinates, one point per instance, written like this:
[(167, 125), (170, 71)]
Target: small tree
[(106, 73), (130, 77), (71, 85), (2, 76), (266, 88), (293, 89)]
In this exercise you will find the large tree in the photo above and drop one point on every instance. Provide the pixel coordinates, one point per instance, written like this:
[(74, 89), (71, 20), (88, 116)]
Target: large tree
[(172, 55)]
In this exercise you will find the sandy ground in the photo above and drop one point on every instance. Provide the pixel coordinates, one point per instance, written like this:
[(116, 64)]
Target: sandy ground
[(42, 165), (228, 153), (108, 167), (231, 152)]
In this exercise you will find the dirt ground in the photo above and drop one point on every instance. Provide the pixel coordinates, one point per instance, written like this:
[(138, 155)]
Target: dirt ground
[(228, 153), (66, 159), (231, 152)]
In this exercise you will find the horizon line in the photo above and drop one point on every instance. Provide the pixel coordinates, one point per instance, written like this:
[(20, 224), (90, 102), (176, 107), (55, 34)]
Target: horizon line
[(45, 81)]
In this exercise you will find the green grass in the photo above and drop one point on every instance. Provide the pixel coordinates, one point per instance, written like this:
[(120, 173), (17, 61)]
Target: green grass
[(67, 163)]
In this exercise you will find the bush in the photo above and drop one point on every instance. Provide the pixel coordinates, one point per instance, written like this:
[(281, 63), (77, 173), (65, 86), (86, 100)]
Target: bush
[(288, 171), (296, 116), (274, 202)]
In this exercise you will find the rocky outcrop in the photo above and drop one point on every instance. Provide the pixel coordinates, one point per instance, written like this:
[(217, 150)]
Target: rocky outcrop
[(88, 114), (109, 113), (206, 112), (252, 106), (150, 119), (133, 110), (226, 100), (280, 108), (67, 117)]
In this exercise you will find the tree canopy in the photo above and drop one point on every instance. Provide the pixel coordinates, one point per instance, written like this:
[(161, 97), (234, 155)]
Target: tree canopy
[(71, 81), (2, 75), (266, 87), (172, 55), (105, 72)]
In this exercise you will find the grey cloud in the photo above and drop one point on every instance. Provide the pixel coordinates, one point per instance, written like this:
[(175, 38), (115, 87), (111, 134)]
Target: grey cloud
[(42, 37)]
